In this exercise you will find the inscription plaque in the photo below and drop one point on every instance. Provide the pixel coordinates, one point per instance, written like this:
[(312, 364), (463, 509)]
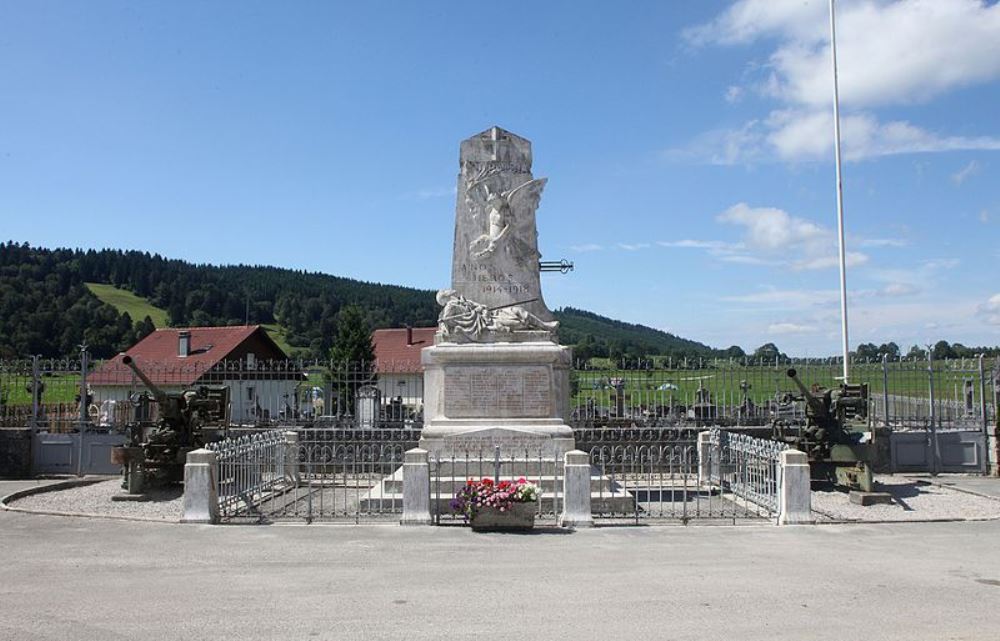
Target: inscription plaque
[(501, 392)]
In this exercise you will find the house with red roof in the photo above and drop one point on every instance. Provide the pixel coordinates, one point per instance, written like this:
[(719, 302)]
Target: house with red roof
[(262, 383), (397, 363)]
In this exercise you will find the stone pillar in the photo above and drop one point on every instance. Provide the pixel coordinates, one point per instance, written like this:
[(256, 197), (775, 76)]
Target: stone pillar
[(201, 497), (292, 458), (416, 488), (704, 458), (794, 491), (576, 491)]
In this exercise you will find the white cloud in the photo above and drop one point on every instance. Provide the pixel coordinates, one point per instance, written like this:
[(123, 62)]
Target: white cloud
[(883, 242), (899, 289), (890, 52), (851, 259), (990, 310), (429, 193), (588, 247), (769, 227), (805, 135), (984, 216), (937, 264), (711, 245), (808, 135), (965, 173), (734, 93), (787, 298), (789, 240), (746, 20), (789, 328), (632, 247)]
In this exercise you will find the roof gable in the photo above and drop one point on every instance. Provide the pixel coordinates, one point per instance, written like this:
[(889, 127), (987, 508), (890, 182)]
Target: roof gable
[(158, 352), (395, 354)]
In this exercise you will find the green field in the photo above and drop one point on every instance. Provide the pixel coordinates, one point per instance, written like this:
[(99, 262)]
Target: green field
[(278, 335), (125, 301), (59, 388), (138, 308), (669, 386)]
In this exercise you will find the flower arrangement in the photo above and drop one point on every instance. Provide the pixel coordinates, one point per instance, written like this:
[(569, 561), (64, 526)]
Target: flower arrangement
[(487, 493)]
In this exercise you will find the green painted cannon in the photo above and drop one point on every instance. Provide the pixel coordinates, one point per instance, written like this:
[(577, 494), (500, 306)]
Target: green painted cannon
[(836, 435), (154, 454)]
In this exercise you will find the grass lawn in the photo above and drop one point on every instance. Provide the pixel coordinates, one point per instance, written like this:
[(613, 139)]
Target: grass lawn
[(138, 308), (664, 386), (125, 301)]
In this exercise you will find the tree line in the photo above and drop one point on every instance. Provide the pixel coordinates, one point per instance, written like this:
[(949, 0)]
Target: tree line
[(46, 309)]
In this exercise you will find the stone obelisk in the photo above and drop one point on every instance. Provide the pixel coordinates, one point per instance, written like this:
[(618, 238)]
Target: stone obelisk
[(496, 375)]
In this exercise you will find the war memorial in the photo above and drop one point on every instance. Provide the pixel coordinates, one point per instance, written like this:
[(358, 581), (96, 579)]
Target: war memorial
[(501, 419)]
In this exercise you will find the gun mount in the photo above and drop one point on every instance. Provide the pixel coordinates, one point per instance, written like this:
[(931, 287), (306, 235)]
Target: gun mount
[(156, 453), (836, 435)]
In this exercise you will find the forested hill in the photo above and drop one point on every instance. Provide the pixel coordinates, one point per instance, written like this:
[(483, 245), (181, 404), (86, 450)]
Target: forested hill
[(594, 335), (45, 307)]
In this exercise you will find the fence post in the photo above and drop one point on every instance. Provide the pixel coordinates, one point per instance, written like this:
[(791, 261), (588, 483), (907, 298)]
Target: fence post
[(986, 418), (935, 448), (794, 492), (416, 488), (292, 458), (36, 397), (576, 491), (885, 390), (201, 495), (704, 457)]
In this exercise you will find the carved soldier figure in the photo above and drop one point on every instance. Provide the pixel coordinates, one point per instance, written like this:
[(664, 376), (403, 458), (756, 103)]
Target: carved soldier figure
[(462, 316)]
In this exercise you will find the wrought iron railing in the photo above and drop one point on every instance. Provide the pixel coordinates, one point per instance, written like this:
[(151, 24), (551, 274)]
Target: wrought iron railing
[(749, 468), (312, 474), (46, 393), (250, 469), (451, 469)]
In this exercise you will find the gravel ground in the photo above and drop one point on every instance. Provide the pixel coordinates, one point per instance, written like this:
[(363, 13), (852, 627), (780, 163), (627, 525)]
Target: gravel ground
[(913, 500), (165, 504)]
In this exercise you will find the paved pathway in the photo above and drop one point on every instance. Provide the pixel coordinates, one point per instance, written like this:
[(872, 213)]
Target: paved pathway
[(82, 579)]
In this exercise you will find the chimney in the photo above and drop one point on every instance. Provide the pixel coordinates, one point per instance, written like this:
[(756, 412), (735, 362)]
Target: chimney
[(409, 335), (183, 343)]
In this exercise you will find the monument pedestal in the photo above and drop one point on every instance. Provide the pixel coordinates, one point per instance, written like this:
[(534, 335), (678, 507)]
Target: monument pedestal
[(513, 395)]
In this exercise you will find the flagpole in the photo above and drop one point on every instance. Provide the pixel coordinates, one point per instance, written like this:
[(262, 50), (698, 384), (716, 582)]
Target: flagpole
[(840, 198)]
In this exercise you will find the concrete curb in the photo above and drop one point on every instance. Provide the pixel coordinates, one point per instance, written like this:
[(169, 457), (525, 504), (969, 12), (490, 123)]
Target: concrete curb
[(963, 490), (6, 501)]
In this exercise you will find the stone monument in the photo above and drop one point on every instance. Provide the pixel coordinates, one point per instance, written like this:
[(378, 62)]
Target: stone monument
[(496, 375)]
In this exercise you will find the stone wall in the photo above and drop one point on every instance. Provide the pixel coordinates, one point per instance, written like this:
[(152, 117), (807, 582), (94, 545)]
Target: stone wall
[(15, 452)]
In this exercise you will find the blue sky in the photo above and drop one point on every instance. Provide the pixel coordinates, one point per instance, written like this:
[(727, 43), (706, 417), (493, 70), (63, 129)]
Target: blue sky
[(688, 147)]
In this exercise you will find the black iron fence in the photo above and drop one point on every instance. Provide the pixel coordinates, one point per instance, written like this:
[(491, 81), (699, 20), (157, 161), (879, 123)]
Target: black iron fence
[(67, 395)]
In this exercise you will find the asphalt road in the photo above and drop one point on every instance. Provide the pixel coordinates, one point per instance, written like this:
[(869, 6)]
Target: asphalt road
[(76, 578)]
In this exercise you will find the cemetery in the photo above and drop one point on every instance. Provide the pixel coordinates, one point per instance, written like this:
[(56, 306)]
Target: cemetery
[(447, 320), (487, 420)]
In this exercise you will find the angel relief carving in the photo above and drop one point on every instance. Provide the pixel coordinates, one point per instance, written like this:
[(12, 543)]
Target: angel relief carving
[(504, 211)]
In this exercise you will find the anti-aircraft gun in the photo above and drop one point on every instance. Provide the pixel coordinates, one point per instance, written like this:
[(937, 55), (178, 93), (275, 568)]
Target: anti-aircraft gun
[(156, 453), (836, 434)]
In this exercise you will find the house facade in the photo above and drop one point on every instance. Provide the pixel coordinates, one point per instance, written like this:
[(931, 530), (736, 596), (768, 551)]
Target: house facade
[(263, 384)]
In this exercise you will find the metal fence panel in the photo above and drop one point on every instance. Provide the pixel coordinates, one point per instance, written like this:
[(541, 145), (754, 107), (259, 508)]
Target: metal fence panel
[(313, 475)]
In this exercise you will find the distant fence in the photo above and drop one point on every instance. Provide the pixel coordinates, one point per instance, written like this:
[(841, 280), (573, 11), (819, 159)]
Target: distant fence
[(958, 393), (65, 395)]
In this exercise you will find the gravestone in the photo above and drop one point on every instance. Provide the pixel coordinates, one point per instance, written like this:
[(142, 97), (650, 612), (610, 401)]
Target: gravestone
[(496, 374)]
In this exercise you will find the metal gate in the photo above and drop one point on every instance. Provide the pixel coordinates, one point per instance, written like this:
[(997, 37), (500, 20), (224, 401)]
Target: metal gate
[(734, 478), (313, 475), (941, 415), (77, 453)]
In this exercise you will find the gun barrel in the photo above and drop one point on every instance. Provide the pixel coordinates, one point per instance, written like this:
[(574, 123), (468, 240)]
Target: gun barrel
[(157, 392), (816, 405)]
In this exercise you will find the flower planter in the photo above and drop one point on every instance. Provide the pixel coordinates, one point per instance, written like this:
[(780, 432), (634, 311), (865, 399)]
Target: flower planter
[(521, 516)]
